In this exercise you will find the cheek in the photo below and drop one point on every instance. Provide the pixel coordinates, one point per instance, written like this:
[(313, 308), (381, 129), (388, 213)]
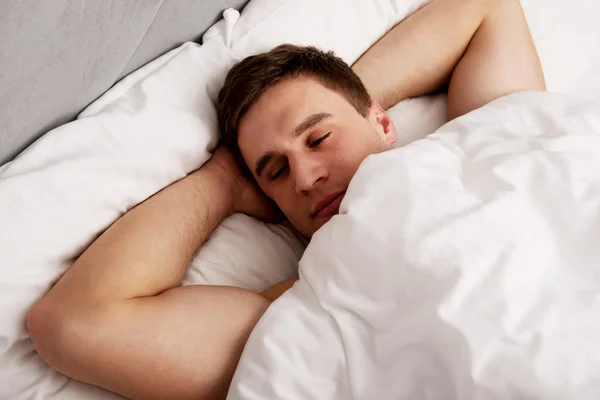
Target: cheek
[(288, 201), (349, 154), (282, 194), (293, 209)]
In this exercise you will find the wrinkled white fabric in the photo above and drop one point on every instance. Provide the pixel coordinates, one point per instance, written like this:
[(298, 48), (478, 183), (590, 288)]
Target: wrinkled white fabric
[(465, 265), (159, 123), (149, 130)]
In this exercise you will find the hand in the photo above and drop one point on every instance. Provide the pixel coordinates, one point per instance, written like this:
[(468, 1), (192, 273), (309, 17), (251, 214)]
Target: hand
[(246, 196)]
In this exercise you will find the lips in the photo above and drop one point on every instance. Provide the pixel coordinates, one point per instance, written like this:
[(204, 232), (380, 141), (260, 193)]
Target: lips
[(329, 206)]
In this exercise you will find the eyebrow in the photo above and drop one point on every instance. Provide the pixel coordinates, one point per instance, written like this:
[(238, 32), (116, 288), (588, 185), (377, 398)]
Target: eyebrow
[(309, 122), (262, 162), (303, 126)]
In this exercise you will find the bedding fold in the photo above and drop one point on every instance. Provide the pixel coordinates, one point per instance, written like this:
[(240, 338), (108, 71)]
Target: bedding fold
[(461, 266)]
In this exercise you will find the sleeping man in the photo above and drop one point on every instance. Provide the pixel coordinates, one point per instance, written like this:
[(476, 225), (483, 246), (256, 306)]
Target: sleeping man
[(296, 123)]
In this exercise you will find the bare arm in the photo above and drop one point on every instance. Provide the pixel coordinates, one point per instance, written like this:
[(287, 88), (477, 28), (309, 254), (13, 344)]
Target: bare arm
[(273, 293), (117, 318), (482, 48)]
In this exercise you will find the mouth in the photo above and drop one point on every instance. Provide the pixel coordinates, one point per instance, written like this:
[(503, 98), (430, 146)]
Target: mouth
[(329, 206)]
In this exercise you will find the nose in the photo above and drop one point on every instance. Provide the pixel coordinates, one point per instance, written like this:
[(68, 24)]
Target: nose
[(307, 172)]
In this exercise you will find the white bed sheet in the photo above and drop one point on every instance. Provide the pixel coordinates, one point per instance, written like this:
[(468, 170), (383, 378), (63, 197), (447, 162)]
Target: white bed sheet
[(565, 34), (462, 266), (301, 353), (152, 128)]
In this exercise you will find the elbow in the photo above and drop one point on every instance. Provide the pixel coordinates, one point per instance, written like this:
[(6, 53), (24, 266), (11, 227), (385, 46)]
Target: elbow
[(56, 335)]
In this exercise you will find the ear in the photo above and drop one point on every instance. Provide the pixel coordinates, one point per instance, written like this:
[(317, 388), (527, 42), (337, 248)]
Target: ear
[(383, 122)]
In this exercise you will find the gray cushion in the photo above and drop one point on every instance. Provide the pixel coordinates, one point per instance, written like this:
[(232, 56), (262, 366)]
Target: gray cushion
[(58, 56)]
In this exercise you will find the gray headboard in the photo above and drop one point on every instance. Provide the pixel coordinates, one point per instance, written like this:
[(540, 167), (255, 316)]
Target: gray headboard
[(58, 56)]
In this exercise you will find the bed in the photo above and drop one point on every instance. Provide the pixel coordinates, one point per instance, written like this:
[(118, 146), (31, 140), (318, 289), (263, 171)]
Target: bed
[(105, 103)]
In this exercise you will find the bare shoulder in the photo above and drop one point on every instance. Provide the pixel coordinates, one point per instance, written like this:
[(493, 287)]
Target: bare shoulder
[(500, 59)]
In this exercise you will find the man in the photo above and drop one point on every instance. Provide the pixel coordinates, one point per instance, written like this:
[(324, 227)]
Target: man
[(301, 122)]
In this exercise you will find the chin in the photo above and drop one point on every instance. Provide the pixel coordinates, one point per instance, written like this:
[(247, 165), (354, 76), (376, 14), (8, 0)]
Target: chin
[(305, 232)]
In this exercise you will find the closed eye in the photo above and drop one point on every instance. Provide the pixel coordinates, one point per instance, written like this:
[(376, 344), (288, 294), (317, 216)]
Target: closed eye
[(278, 172), (319, 140)]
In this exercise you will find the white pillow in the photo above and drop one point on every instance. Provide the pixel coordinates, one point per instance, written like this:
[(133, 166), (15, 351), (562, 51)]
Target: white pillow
[(159, 123), (150, 130), (71, 184)]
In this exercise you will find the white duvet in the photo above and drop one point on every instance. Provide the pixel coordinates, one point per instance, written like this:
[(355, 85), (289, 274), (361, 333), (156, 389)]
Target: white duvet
[(465, 265)]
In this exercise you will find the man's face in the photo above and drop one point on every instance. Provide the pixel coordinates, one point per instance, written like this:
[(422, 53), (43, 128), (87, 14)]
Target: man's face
[(304, 142)]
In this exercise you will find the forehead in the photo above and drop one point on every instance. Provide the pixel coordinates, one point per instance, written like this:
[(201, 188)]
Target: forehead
[(272, 118)]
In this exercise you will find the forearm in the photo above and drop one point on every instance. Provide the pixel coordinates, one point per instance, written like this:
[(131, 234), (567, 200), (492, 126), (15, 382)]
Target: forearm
[(274, 292), (117, 320), (419, 54), (148, 250)]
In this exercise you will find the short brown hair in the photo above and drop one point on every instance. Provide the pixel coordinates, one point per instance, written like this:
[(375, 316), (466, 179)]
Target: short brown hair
[(254, 75)]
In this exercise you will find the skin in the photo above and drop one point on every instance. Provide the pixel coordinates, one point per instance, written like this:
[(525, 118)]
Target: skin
[(118, 318), (308, 165)]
